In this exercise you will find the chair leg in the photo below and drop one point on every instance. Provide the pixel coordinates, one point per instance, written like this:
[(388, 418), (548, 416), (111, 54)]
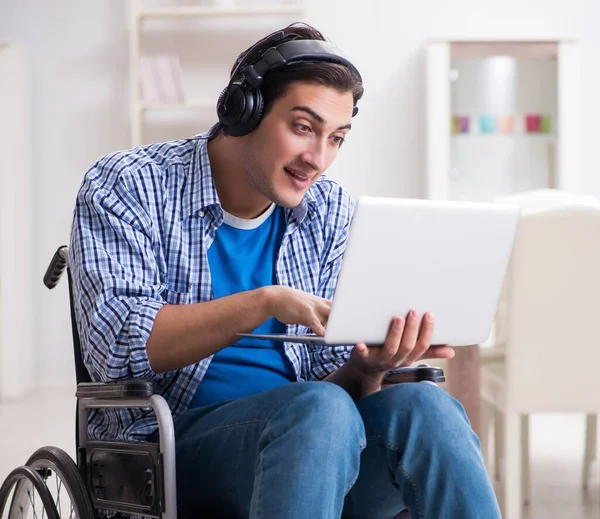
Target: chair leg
[(525, 459), (513, 500), (486, 416), (590, 452), (498, 443), (594, 435)]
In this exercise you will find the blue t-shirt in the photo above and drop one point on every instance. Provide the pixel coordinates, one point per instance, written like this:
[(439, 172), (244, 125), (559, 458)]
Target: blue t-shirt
[(242, 257)]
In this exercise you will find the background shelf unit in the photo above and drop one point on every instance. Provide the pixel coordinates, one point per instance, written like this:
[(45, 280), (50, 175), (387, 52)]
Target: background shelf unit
[(502, 77), (139, 17)]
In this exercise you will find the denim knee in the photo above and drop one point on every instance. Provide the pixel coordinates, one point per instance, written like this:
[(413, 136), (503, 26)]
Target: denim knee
[(329, 410), (424, 407)]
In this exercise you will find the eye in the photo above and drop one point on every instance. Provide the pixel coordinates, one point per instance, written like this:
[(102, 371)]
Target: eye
[(302, 128), (337, 140)]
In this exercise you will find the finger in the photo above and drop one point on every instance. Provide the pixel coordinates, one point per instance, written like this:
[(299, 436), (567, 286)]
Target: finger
[(325, 309), (322, 314), (362, 350), (424, 340), (317, 326), (394, 336), (409, 337), (323, 301), (439, 352)]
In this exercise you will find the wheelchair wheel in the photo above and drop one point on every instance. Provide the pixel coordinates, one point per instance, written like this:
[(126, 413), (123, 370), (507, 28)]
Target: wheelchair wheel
[(63, 480), (19, 492)]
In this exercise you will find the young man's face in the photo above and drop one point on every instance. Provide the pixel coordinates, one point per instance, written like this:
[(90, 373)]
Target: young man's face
[(297, 141)]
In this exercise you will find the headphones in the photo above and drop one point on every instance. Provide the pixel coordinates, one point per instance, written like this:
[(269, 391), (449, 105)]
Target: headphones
[(241, 105)]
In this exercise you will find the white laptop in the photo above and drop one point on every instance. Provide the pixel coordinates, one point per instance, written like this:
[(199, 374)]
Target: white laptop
[(444, 257)]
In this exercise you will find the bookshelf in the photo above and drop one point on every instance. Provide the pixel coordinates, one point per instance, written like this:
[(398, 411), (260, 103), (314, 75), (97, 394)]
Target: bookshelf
[(16, 312), (139, 14)]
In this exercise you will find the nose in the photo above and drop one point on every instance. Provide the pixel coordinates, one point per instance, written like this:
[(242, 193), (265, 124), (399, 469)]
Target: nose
[(316, 154)]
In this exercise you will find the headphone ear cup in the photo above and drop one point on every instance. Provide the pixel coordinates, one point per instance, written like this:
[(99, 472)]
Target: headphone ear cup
[(221, 105), (231, 105), (246, 119), (255, 114)]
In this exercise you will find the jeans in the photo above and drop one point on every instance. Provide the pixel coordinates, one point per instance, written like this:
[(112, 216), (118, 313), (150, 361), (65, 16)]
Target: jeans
[(306, 450)]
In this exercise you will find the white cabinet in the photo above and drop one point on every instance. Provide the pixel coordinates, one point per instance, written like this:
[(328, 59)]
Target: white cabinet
[(502, 117), (16, 321)]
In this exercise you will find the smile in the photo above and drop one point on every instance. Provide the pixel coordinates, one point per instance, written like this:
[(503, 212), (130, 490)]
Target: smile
[(299, 180), (297, 174)]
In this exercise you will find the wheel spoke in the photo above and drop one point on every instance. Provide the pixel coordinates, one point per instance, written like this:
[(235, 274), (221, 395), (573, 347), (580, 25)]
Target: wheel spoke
[(32, 501), (58, 485)]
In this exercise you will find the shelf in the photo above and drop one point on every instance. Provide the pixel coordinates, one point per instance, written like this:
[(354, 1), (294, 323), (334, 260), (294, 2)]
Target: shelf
[(477, 136), (170, 105), (140, 18), (200, 11)]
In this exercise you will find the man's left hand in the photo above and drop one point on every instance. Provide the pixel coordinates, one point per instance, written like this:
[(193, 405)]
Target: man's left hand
[(408, 341)]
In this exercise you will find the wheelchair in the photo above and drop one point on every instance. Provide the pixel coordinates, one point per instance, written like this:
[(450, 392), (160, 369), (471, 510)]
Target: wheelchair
[(110, 478)]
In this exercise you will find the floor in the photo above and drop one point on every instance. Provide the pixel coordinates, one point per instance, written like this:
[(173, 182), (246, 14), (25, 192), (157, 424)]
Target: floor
[(47, 418)]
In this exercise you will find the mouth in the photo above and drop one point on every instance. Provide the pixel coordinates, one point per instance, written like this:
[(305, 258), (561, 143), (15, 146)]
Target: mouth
[(299, 179)]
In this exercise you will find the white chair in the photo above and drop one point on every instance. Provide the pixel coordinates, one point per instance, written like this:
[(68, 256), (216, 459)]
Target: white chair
[(546, 317), (492, 353)]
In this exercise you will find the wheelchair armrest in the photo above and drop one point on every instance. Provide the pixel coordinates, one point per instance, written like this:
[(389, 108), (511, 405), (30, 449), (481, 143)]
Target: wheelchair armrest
[(120, 389), (420, 373)]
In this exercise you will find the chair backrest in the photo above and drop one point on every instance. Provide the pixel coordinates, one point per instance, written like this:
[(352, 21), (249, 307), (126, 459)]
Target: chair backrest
[(81, 372), (552, 291), (58, 264)]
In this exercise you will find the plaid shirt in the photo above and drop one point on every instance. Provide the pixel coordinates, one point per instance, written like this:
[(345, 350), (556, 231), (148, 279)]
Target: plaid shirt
[(143, 223)]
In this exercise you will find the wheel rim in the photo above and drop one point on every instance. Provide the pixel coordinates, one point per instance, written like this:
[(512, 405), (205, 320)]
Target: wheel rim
[(19, 491)]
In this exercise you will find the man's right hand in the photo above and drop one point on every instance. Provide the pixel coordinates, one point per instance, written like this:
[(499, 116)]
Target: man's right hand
[(291, 306)]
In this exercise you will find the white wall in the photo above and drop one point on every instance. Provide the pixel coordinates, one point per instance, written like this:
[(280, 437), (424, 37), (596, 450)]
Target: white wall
[(80, 105), (78, 74)]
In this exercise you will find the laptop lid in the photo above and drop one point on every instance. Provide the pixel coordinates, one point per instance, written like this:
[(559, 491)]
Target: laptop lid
[(445, 257)]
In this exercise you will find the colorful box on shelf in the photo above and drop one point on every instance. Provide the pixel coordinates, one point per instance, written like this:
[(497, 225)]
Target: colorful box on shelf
[(532, 123), (546, 124), (506, 124), (487, 123), (460, 124)]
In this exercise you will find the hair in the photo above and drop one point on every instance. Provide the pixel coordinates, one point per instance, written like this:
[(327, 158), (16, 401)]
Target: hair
[(276, 83)]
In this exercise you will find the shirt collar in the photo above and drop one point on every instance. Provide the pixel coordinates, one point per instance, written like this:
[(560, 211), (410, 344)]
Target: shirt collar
[(200, 193)]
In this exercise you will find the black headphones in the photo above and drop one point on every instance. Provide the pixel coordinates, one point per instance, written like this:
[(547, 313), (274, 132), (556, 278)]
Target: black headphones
[(241, 104)]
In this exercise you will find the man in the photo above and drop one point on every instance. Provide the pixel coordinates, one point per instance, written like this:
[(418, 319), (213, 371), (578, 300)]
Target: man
[(177, 247)]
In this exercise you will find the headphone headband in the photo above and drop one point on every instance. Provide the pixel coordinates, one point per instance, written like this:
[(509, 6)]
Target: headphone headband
[(241, 105), (295, 51)]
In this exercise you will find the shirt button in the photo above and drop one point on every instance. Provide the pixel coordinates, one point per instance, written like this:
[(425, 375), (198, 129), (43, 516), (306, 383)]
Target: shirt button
[(201, 214)]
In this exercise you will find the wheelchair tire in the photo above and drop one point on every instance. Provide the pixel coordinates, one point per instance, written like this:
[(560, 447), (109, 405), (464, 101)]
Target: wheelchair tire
[(64, 468), (23, 481)]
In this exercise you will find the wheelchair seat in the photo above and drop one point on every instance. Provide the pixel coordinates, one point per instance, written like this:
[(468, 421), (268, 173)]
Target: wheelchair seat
[(113, 477)]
